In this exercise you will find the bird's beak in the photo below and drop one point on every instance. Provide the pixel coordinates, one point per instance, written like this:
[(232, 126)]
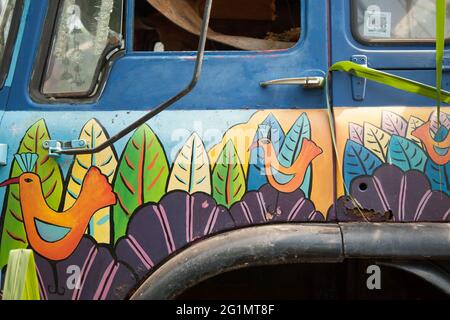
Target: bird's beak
[(8, 182), (253, 146)]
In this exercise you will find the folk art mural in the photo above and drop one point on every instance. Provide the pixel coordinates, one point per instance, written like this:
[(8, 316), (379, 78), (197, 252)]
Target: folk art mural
[(117, 215), (395, 167)]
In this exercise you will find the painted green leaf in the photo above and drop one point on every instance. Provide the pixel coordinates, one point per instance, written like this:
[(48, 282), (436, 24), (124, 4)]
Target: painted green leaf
[(13, 231), (106, 161), (291, 150), (358, 161), (228, 177), (141, 178), (405, 154), (191, 169), (439, 176)]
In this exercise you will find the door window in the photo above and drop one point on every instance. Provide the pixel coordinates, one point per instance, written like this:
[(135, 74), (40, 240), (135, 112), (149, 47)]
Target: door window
[(395, 20), (9, 9), (86, 32), (174, 25)]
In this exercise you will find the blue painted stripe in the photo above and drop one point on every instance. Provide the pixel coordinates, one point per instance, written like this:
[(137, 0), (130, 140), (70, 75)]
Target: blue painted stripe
[(103, 220), (72, 194), (15, 56), (77, 181)]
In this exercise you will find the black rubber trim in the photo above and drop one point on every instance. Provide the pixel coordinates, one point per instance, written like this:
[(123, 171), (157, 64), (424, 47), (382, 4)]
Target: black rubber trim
[(396, 240), (255, 246), (295, 243)]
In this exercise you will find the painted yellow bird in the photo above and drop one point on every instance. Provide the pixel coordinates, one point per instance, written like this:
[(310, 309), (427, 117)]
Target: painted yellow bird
[(308, 153), (55, 235)]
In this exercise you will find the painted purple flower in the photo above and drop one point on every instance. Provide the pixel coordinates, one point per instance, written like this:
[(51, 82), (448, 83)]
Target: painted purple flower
[(90, 273), (157, 230), (391, 194), (270, 205)]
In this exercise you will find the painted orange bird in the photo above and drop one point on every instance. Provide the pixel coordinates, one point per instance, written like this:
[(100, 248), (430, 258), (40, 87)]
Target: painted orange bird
[(308, 153), (55, 235), (439, 152)]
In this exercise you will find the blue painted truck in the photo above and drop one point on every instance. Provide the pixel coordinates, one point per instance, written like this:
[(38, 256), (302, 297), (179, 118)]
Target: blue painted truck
[(193, 191)]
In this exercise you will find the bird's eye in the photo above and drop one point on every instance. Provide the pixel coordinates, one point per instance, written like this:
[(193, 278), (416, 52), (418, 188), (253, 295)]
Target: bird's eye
[(28, 180)]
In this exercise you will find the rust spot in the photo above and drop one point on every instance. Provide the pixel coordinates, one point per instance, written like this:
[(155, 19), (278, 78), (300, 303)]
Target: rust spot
[(369, 214), (273, 213)]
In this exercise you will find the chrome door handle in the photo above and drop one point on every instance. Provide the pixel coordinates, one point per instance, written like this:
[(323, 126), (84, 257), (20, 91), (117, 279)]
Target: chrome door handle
[(307, 82)]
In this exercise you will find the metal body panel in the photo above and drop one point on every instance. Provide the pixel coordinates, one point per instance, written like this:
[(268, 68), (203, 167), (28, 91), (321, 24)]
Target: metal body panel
[(147, 79), (391, 159)]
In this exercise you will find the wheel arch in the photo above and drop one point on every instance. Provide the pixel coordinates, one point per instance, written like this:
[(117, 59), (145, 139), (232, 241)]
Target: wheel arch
[(266, 245), (254, 246)]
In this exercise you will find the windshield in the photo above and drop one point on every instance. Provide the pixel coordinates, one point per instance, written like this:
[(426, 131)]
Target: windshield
[(86, 31), (6, 15), (396, 20)]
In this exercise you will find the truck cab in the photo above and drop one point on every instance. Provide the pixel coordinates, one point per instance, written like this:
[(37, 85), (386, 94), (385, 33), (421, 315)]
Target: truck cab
[(129, 177)]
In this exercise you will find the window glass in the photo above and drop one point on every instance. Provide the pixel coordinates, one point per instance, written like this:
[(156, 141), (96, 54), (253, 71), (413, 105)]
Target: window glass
[(86, 31), (6, 16), (174, 25), (396, 20)]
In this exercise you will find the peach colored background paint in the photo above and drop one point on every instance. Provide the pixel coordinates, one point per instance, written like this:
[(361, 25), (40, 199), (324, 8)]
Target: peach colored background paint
[(242, 136), (373, 115)]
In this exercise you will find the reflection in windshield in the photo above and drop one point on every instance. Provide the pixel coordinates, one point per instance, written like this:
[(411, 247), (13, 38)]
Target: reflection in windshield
[(6, 14), (397, 19), (86, 28)]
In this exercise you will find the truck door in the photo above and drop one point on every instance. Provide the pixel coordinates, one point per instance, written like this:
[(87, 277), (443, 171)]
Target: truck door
[(12, 21), (250, 145), (393, 155)]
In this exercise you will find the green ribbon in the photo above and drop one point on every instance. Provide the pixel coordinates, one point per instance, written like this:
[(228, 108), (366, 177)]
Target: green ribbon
[(21, 281), (392, 80), (440, 45)]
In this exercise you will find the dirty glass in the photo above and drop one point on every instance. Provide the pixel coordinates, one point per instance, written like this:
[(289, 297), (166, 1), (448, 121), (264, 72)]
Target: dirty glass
[(86, 32), (396, 20), (174, 25), (6, 15)]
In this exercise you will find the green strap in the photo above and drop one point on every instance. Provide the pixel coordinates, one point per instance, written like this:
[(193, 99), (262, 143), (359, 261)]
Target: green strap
[(440, 45), (21, 281), (391, 80)]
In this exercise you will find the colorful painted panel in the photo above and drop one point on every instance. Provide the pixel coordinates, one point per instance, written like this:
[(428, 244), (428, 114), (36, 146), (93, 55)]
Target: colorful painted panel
[(394, 165), (99, 224)]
